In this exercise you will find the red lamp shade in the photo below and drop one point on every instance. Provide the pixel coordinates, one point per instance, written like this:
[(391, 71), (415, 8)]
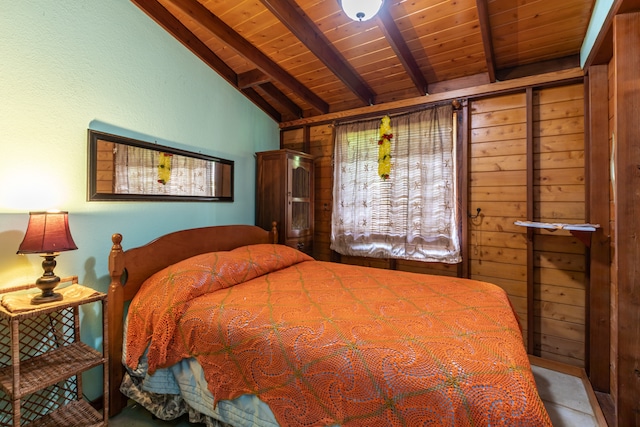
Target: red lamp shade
[(47, 232)]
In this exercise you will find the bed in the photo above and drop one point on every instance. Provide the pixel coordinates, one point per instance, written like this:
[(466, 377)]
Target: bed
[(237, 330)]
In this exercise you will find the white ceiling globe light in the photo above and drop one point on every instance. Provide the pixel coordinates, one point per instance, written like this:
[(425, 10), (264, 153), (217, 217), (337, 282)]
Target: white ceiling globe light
[(361, 10)]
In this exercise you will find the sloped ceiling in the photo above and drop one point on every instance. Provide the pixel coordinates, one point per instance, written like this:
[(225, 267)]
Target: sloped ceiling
[(306, 58)]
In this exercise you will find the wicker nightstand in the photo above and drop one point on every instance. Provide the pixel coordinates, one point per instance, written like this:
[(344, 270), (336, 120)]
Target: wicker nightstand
[(42, 360)]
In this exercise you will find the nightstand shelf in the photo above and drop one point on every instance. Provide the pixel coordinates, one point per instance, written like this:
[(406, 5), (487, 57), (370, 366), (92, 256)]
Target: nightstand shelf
[(74, 358), (77, 413), (42, 360)]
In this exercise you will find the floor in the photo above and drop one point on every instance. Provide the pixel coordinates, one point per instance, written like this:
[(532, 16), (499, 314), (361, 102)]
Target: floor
[(564, 395), (565, 398), (135, 415)]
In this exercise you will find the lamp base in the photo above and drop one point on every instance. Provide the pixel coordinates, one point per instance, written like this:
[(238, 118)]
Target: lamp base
[(43, 299), (47, 282)]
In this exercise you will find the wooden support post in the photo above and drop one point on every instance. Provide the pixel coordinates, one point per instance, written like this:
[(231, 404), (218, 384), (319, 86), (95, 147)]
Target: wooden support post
[(626, 187), (597, 181)]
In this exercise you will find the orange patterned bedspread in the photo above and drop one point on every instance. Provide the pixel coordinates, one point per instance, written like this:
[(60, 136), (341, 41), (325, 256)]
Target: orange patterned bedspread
[(324, 343)]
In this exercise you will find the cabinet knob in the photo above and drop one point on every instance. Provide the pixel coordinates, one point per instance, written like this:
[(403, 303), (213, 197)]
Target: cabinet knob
[(300, 245)]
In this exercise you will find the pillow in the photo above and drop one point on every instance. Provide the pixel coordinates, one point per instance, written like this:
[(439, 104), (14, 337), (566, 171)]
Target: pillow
[(267, 258)]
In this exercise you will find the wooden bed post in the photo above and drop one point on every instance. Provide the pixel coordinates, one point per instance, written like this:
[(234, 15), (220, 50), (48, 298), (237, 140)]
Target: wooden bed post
[(273, 235), (117, 401)]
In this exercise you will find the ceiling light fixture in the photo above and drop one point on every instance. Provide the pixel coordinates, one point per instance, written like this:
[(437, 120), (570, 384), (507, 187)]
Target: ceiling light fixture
[(360, 10)]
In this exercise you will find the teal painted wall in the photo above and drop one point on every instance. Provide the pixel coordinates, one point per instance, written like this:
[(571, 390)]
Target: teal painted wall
[(70, 65), (599, 14)]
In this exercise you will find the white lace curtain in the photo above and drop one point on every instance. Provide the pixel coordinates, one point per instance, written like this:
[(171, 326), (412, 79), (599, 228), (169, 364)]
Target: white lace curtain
[(413, 214), (136, 171)]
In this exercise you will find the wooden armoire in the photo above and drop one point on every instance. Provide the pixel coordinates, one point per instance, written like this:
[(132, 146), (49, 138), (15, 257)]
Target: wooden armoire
[(284, 193)]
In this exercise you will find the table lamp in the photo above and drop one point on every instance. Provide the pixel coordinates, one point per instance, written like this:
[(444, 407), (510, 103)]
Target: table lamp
[(47, 235)]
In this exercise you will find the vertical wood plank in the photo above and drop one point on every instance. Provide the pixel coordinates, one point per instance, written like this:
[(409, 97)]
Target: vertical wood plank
[(614, 266), (307, 139), (530, 231), (464, 121), (626, 50), (597, 196), (321, 148)]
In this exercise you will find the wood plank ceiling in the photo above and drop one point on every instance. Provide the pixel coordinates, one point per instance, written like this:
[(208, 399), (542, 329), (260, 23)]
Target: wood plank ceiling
[(304, 58)]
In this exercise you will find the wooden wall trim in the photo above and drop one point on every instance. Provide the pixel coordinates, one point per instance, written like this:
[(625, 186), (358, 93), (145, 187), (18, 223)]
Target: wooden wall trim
[(597, 204), (626, 102), (530, 231), (464, 122), (486, 89), (307, 139)]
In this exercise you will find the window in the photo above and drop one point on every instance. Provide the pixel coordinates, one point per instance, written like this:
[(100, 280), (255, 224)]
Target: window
[(413, 214)]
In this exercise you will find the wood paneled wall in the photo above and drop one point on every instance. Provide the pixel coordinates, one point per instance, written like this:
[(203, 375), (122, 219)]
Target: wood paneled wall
[(498, 186), (559, 196), (321, 147), (497, 249)]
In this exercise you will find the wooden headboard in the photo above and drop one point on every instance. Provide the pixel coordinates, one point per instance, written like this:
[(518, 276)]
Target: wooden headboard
[(129, 269)]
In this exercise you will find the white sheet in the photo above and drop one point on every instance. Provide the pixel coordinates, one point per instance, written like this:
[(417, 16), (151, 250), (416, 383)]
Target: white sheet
[(187, 379)]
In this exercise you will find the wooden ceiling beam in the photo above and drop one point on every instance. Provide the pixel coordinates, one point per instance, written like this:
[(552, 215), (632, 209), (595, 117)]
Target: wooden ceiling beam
[(262, 103), (487, 38), (173, 26), (308, 33), (282, 99), (252, 78), (256, 78), (402, 51), (242, 47)]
